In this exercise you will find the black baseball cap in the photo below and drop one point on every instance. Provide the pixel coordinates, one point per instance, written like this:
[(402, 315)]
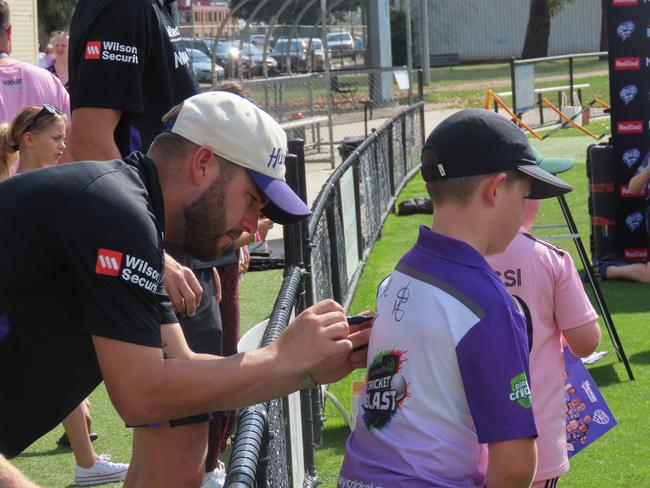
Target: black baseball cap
[(475, 142)]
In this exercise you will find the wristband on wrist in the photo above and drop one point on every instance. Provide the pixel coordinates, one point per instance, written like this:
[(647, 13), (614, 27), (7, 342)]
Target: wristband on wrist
[(308, 380)]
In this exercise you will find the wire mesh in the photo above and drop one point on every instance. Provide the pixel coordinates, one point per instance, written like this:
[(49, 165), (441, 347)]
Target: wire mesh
[(277, 472), (369, 204), (321, 261)]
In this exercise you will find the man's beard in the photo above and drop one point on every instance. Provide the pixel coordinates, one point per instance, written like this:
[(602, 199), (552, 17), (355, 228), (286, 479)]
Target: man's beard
[(205, 222)]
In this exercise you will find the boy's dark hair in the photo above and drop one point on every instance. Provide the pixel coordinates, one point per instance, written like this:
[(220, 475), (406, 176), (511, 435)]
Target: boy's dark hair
[(460, 190)]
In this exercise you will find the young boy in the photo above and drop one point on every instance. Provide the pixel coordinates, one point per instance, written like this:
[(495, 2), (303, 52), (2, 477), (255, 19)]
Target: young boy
[(545, 278), (448, 354)]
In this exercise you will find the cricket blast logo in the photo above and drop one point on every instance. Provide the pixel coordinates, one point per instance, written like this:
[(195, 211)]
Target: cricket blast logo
[(520, 390), (386, 389)]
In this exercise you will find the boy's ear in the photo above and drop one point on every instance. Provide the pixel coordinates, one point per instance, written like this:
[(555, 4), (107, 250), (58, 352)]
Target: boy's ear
[(492, 187)]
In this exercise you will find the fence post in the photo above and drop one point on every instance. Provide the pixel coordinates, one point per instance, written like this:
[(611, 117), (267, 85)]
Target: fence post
[(420, 85), (571, 79), (292, 232), (357, 204), (513, 84)]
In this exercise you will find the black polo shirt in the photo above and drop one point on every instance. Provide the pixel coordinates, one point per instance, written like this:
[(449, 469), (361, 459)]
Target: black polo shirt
[(80, 255), (128, 55)]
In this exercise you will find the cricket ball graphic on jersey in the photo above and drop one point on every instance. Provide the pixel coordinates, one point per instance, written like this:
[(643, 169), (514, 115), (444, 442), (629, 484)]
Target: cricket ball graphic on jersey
[(386, 389)]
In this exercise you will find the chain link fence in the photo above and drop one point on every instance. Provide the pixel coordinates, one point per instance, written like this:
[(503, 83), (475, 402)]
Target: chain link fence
[(326, 257)]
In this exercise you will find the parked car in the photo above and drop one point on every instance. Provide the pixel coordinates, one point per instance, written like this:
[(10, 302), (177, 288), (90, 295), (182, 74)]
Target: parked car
[(258, 40), (340, 44), (228, 56), (252, 61), (316, 53), (196, 43), (359, 44), (297, 54), (202, 66)]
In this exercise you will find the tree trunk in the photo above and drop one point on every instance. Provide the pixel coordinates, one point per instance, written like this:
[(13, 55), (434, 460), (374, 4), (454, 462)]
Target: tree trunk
[(537, 31), (603, 26)]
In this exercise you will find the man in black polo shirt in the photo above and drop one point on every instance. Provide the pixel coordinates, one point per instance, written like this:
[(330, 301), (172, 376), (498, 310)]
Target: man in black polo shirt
[(94, 238), (128, 67)]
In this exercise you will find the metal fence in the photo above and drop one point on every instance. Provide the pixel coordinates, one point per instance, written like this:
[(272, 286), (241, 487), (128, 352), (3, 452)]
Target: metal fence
[(325, 257), (539, 101)]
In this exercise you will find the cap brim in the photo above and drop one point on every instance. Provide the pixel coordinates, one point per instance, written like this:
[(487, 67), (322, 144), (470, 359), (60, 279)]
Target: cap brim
[(544, 184), (284, 207), (553, 165)]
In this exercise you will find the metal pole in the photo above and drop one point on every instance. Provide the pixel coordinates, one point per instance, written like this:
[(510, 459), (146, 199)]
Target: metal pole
[(424, 41), (571, 79), (513, 84), (573, 229), (328, 80), (409, 48)]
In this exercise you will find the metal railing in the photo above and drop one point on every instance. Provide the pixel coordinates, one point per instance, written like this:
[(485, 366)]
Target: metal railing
[(325, 256)]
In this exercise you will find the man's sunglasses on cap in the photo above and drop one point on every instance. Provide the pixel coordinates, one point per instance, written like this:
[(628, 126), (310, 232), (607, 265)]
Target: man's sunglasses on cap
[(44, 112)]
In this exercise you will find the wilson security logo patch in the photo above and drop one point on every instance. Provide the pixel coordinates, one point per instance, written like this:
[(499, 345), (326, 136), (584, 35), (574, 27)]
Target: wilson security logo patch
[(128, 268)]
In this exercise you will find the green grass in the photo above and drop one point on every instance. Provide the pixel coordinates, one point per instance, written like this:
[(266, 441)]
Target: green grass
[(619, 458), (445, 81), (51, 466)]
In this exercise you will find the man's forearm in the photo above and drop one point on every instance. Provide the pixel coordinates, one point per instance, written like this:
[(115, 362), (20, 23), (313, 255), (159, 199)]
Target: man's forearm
[(188, 387)]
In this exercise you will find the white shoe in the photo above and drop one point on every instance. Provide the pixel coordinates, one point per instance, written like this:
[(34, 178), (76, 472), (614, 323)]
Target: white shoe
[(103, 471), (216, 478)]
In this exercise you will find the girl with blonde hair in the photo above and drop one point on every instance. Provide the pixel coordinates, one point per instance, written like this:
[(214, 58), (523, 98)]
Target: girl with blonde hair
[(35, 138)]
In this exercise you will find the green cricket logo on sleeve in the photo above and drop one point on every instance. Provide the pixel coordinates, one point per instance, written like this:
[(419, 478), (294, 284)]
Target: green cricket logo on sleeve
[(520, 390)]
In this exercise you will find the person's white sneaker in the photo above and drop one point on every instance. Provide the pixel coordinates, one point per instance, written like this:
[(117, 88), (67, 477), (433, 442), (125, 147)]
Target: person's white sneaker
[(216, 478), (103, 471)]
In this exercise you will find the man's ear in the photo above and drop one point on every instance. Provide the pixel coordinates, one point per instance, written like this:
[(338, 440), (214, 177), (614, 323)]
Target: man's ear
[(203, 165), (491, 187)]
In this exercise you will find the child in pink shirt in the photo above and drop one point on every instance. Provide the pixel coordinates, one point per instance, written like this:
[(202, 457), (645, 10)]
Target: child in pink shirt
[(545, 278)]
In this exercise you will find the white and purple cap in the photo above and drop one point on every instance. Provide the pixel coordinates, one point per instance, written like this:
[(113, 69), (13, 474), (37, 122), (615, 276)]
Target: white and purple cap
[(239, 131)]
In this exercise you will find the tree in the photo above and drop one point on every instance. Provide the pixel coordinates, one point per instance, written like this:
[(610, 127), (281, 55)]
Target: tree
[(54, 15), (398, 37), (539, 26), (603, 26)]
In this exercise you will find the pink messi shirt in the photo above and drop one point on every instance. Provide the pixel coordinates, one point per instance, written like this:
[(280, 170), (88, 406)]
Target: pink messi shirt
[(23, 85), (545, 277)]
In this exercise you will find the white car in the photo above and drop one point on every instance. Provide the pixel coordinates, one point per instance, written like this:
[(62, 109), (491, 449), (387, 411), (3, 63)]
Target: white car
[(340, 44)]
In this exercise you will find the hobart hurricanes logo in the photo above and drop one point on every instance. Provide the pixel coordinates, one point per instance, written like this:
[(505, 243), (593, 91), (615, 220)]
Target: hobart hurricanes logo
[(520, 391), (386, 389)]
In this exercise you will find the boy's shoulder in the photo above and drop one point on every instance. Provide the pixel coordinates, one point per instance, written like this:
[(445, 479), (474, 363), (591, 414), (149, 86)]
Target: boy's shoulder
[(474, 284), (551, 247)]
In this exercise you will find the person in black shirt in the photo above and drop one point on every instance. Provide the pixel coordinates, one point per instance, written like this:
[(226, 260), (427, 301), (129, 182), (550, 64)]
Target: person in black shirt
[(128, 67), (94, 237)]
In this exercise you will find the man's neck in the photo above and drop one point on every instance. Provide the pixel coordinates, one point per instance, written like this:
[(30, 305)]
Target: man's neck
[(4, 55)]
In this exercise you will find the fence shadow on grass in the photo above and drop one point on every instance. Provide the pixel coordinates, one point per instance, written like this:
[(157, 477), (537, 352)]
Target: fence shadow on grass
[(604, 375), (640, 357)]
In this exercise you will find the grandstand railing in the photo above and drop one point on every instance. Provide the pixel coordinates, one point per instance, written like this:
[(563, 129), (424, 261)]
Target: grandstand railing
[(325, 257)]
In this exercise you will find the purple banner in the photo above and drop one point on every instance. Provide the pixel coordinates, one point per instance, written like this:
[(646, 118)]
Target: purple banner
[(587, 415)]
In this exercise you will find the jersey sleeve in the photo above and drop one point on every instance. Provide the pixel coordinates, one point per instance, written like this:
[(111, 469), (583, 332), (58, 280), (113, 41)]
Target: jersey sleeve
[(114, 258), (493, 362), (572, 306), (113, 58)]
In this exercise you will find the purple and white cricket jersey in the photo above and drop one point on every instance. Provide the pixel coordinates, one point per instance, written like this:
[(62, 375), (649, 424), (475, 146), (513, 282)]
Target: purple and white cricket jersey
[(447, 372)]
